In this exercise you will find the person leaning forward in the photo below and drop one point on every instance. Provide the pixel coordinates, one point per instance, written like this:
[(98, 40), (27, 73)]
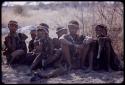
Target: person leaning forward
[(15, 46), (56, 59), (44, 48)]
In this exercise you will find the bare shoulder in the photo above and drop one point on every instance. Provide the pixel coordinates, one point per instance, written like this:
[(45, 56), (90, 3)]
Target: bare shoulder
[(50, 39), (107, 38), (88, 39), (55, 39), (63, 36), (6, 37), (23, 36)]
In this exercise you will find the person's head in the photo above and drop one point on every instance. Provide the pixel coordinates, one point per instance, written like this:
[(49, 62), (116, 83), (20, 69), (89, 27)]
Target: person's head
[(44, 25), (60, 31), (73, 27), (42, 31), (33, 34), (13, 26), (101, 30)]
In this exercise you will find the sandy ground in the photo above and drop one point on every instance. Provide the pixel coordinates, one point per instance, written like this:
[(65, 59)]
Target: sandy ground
[(19, 75)]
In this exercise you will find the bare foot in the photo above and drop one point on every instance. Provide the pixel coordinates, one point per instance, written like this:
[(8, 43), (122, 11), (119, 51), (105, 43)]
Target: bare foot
[(87, 70), (110, 70)]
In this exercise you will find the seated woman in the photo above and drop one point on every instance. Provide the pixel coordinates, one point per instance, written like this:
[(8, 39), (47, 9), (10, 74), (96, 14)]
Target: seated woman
[(98, 54), (106, 59)]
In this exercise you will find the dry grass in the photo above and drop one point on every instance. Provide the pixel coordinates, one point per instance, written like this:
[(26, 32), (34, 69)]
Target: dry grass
[(61, 17)]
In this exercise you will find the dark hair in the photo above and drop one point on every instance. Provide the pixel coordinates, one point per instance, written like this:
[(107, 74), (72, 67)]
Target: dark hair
[(33, 31), (12, 21), (45, 25), (59, 28), (74, 22), (102, 27)]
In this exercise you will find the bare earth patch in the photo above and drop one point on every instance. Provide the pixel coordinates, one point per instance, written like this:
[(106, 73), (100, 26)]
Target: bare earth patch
[(19, 75)]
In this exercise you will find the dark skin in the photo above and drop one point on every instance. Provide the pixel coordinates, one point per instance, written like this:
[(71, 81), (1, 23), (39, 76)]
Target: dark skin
[(10, 41), (82, 49), (60, 33), (42, 35), (88, 49), (38, 48), (103, 41), (73, 30), (33, 35), (100, 32), (65, 45), (13, 27)]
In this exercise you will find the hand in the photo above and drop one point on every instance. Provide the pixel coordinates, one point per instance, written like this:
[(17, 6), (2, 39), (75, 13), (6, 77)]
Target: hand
[(33, 53), (98, 57), (77, 46)]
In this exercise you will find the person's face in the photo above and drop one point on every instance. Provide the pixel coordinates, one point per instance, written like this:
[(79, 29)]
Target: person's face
[(98, 32), (104, 32), (72, 29), (33, 35), (58, 34), (13, 27), (41, 33)]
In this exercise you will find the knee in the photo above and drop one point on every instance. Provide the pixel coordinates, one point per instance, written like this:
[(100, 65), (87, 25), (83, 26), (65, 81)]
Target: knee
[(89, 43), (57, 53), (63, 42)]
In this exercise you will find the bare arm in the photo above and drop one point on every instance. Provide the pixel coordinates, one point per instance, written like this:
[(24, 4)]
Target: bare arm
[(64, 41), (8, 44)]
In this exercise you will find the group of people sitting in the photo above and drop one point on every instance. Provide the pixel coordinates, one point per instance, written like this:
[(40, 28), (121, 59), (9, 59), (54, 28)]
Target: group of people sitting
[(69, 51)]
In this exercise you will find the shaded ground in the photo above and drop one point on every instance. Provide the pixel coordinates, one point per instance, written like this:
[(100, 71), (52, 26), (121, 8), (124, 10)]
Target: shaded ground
[(19, 75)]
